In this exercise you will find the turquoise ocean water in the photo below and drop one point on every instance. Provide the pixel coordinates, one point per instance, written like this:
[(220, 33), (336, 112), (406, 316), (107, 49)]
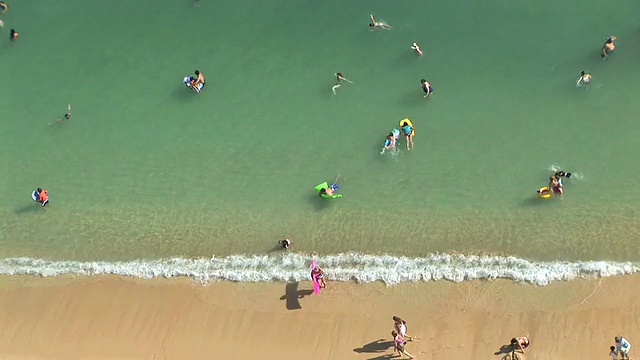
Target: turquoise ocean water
[(147, 170)]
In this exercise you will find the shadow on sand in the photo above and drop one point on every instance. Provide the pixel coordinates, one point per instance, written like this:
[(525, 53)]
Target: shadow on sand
[(377, 346), (505, 349), (292, 295)]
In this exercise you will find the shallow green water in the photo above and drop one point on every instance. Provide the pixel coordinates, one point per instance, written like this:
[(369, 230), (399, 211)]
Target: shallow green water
[(146, 168)]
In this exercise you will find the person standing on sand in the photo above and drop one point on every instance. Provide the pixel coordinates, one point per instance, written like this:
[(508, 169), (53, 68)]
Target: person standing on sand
[(623, 346), (613, 353)]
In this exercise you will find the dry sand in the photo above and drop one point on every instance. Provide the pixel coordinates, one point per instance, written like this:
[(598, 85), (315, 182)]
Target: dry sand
[(120, 318)]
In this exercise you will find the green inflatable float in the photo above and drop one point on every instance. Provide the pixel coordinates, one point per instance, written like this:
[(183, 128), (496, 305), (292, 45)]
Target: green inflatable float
[(324, 186)]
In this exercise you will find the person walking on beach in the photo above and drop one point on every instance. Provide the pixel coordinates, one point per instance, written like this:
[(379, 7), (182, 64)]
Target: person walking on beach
[(398, 344), (623, 346), (415, 47), (426, 87), (608, 47), (401, 327), (373, 23), (584, 80), (520, 343)]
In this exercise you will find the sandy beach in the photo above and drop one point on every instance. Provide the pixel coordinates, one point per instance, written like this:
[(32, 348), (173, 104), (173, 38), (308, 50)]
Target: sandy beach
[(122, 318)]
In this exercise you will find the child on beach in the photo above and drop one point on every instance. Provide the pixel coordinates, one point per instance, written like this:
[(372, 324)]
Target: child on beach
[(401, 327), (613, 353), (398, 344)]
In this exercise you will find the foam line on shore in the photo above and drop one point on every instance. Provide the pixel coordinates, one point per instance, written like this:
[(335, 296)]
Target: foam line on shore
[(357, 267)]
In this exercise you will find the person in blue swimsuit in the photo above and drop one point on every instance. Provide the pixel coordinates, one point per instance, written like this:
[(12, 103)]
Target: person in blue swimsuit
[(407, 130)]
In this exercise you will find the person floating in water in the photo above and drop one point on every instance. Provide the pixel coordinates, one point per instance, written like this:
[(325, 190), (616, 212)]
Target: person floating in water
[(426, 87), (13, 34), (415, 47), (41, 196), (608, 47), (339, 79), (327, 191), (3, 7), (373, 23), (285, 243), (584, 80)]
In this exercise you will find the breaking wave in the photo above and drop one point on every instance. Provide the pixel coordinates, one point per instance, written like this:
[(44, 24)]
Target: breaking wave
[(362, 268)]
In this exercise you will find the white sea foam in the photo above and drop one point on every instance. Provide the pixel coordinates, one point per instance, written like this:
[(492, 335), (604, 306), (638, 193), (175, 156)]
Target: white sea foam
[(341, 267)]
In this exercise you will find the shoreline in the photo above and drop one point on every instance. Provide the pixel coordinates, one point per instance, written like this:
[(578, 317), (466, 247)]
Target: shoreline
[(116, 317)]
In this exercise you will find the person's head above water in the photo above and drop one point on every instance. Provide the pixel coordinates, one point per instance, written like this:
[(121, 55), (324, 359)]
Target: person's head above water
[(39, 189), (423, 80), (197, 72), (582, 72)]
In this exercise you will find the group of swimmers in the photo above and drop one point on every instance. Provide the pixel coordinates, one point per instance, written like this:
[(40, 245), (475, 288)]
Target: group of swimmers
[(378, 24), (609, 46), (407, 129), (13, 34), (555, 186)]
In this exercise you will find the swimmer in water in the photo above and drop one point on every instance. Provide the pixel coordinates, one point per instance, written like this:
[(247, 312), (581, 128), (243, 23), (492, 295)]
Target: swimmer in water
[(407, 130), (3, 7), (285, 243), (415, 47), (608, 47), (426, 87), (389, 143), (66, 116), (561, 173), (378, 24), (42, 196), (584, 79), (319, 275), (339, 79), (13, 34)]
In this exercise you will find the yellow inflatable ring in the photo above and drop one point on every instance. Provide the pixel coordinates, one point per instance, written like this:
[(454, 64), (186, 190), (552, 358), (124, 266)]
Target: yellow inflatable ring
[(544, 192)]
